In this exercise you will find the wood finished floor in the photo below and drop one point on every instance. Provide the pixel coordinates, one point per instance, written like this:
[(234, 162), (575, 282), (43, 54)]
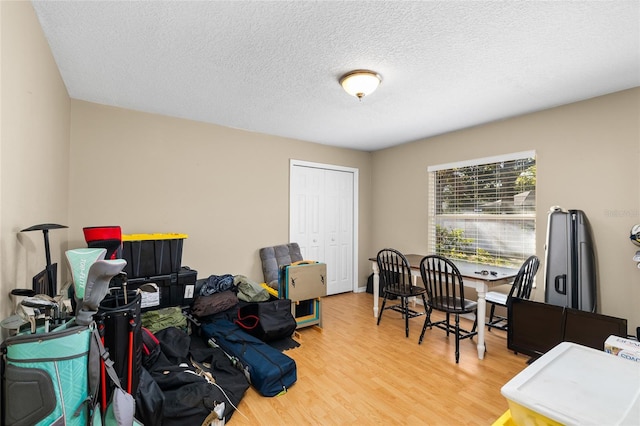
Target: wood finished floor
[(354, 372)]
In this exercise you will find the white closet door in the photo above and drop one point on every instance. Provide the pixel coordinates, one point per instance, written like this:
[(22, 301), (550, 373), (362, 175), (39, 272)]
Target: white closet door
[(339, 230), (322, 211), (307, 209)]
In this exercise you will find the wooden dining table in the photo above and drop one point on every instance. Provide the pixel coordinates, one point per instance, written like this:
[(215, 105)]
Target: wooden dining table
[(474, 275)]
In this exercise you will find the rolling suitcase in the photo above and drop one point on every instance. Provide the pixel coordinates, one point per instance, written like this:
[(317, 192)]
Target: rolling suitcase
[(570, 263)]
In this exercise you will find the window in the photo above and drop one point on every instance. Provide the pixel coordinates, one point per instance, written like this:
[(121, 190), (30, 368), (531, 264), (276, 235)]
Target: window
[(484, 210)]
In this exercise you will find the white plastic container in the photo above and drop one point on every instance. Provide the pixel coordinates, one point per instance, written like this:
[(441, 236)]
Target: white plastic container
[(575, 385)]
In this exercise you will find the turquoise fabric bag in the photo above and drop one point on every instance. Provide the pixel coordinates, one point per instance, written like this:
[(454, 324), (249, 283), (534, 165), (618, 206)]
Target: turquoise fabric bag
[(47, 377), (53, 378)]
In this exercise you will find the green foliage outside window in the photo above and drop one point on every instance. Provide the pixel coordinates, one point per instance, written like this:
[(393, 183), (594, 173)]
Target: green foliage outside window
[(452, 243)]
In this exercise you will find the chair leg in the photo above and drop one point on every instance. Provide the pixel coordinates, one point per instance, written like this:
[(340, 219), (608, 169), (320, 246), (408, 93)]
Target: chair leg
[(406, 316), (384, 301), (448, 324), (491, 313), (427, 320), (475, 325), (457, 338)]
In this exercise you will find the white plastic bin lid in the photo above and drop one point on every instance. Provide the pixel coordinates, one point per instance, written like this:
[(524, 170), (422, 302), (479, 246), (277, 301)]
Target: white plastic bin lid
[(578, 385)]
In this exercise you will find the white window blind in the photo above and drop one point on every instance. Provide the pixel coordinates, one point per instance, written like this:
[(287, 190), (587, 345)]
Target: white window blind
[(484, 211)]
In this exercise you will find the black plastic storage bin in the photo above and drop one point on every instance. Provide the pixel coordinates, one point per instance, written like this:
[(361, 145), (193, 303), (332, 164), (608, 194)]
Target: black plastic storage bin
[(151, 300), (173, 289), (184, 292), (150, 255)]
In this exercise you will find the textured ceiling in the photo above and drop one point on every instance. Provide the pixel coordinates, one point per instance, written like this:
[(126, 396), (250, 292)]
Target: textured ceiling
[(273, 66)]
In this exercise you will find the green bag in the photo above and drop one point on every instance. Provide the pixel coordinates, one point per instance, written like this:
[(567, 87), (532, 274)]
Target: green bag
[(250, 291), (160, 319)]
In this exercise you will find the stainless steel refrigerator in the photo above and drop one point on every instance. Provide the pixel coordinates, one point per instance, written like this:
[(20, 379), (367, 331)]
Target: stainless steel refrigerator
[(570, 261)]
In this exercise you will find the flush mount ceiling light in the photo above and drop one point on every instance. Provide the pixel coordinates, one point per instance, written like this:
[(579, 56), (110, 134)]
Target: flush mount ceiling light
[(360, 83)]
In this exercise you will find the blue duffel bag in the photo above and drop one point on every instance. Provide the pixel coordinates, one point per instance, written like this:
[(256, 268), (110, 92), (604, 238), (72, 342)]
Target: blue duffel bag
[(268, 370)]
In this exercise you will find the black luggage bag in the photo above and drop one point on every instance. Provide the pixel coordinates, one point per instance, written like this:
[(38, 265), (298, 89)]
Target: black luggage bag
[(268, 321)]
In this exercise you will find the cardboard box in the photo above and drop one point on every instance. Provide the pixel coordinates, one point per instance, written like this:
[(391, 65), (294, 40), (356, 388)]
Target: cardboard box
[(624, 348)]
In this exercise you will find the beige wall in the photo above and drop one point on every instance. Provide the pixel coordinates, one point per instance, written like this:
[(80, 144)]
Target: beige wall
[(34, 149), (587, 159), (227, 189)]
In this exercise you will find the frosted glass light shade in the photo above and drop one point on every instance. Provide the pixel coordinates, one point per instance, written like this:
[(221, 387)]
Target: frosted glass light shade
[(360, 83)]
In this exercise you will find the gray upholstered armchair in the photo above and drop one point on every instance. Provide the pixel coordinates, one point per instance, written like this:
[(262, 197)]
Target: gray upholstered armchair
[(275, 257)]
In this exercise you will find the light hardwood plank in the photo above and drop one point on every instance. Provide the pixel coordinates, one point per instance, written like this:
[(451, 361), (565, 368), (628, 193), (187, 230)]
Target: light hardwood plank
[(354, 372)]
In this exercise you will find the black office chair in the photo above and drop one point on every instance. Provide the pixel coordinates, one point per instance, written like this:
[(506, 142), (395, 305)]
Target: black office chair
[(445, 293), (521, 288), (395, 277)]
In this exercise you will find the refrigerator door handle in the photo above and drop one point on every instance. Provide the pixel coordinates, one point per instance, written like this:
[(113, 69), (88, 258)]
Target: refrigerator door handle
[(558, 280)]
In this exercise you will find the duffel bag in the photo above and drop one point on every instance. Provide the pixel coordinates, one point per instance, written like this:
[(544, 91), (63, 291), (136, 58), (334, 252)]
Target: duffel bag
[(267, 321), (270, 371)]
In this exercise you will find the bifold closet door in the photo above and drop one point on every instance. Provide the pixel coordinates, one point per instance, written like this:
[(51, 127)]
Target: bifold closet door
[(322, 221)]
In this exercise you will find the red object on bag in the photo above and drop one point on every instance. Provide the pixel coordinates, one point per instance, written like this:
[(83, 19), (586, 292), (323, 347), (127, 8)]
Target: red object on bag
[(107, 237), (150, 343)]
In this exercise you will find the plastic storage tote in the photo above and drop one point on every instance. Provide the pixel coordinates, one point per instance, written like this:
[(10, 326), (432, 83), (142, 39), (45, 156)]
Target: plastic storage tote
[(575, 385), (150, 255)]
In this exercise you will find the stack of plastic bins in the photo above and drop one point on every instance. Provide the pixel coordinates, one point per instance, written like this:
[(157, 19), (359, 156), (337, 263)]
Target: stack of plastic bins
[(157, 259)]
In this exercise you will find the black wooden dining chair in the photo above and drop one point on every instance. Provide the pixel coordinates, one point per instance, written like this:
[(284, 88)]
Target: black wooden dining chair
[(395, 279), (521, 288), (445, 293)]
